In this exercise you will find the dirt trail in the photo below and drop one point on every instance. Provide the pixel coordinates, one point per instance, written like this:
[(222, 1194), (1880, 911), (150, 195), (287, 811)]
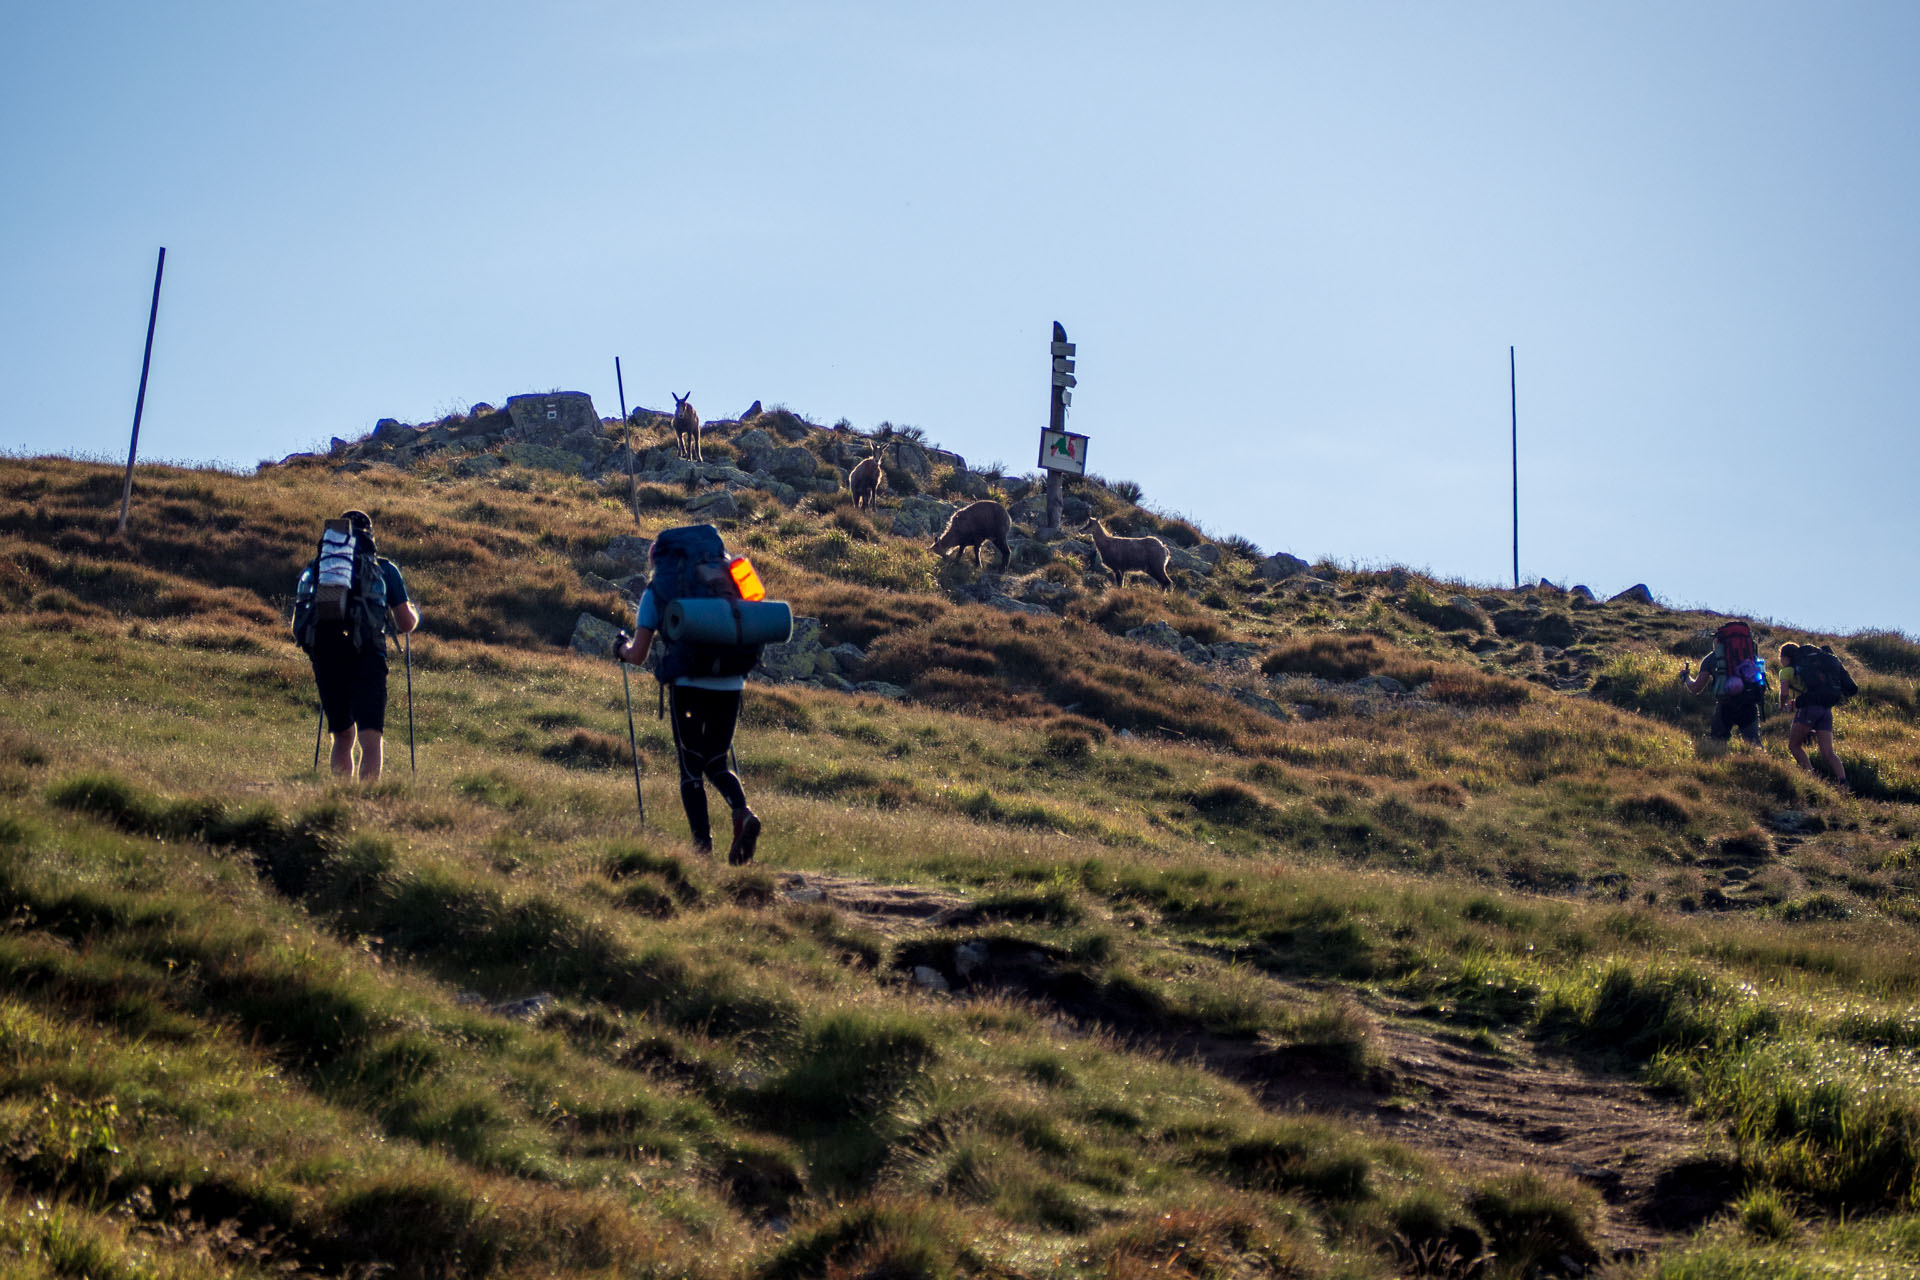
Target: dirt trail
[(1477, 1108)]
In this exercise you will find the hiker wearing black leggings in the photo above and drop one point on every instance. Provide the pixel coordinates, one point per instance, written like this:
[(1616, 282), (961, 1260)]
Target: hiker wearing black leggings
[(703, 721), (705, 710)]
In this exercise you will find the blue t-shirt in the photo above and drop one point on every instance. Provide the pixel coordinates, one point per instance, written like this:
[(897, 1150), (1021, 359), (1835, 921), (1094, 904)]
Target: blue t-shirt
[(395, 584), (648, 616)]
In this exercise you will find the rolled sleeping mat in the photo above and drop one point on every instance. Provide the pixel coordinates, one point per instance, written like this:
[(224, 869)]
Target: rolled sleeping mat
[(710, 620)]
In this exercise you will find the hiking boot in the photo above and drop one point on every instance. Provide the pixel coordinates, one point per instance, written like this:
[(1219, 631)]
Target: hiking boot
[(746, 834)]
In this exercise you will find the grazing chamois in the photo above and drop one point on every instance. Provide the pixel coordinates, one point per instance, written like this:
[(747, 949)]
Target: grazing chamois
[(867, 479), (1124, 555), (686, 427), (973, 524)]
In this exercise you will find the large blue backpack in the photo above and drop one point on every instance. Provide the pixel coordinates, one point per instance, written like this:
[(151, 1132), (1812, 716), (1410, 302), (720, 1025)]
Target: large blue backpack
[(690, 563)]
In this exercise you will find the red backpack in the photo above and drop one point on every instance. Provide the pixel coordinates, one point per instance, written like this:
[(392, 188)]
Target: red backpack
[(1744, 671)]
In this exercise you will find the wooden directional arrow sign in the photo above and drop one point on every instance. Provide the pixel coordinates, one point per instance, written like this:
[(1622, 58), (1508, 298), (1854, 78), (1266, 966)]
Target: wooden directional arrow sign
[(1064, 379), (1063, 348)]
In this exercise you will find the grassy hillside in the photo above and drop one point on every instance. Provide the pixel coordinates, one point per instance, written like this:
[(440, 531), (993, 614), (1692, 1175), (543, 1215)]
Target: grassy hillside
[(1500, 974)]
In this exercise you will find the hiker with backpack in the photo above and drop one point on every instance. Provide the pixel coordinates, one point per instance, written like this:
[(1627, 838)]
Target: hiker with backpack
[(346, 602), (1738, 676), (1819, 682), (708, 612)]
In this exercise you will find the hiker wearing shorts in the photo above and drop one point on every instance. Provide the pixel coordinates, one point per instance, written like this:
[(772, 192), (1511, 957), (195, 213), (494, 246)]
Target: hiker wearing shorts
[(350, 661), (1812, 717), (704, 710), (1736, 705)]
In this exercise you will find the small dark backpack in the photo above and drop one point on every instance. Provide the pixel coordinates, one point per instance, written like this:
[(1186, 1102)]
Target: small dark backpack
[(1826, 677), (1745, 674), (344, 587), (690, 563)]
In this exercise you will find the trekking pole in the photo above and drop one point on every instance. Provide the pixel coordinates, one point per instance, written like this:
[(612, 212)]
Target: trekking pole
[(633, 744), (406, 647), (318, 729)]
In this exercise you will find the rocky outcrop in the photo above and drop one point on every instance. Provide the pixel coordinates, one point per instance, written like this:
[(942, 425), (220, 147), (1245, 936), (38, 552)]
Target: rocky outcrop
[(1163, 635), (593, 636), (552, 416), (1635, 594), (1280, 566), (918, 517)]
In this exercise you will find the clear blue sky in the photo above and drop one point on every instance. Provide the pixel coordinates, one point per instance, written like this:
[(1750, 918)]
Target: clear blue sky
[(1293, 242)]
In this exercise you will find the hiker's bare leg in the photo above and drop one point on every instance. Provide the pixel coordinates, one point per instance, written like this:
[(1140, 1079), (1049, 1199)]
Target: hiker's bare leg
[(1824, 738), (342, 757), (1797, 743), (370, 757)]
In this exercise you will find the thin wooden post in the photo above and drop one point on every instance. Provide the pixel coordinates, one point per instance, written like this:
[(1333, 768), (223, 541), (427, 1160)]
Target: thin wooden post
[(140, 402), (1513, 400)]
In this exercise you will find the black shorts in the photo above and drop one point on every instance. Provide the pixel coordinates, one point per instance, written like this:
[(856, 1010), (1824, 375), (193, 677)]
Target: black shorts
[(1739, 713), (353, 683)]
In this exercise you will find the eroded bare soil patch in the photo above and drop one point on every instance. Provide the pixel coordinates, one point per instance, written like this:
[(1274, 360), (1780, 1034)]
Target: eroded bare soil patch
[(1476, 1106)]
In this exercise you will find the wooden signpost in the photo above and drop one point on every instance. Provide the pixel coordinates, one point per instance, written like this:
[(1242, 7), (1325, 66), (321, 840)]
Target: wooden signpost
[(1061, 452)]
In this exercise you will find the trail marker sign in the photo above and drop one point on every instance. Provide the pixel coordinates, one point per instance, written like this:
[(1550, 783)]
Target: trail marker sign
[(1063, 451)]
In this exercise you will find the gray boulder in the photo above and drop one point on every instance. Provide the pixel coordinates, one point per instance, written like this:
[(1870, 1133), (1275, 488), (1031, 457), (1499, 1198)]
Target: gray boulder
[(553, 416), (1580, 589), (847, 657), (1264, 705), (792, 464), (1007, 604), (628, 551), (1161, 635), (800, 658), (593, 636), (1182, 558), (911, 458), (717, 504), (753, 411), (1280, 565), (1635, 594), (755, 440), (391, 431), (670, 471), (920, 517)]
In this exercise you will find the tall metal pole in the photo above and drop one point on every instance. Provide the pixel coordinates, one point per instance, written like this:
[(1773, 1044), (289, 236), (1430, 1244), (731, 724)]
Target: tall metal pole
[(140, 403), (1513, 399), (633, 484)]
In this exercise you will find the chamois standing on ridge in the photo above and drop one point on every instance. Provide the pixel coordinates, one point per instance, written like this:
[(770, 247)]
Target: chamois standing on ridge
[(866, 480), (1124, 555), (973, 524), (686, 427)]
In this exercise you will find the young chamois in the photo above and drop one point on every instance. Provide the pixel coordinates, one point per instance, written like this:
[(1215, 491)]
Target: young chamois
[(973, 524), (867, 479), (1124, 555), (686, 427)]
